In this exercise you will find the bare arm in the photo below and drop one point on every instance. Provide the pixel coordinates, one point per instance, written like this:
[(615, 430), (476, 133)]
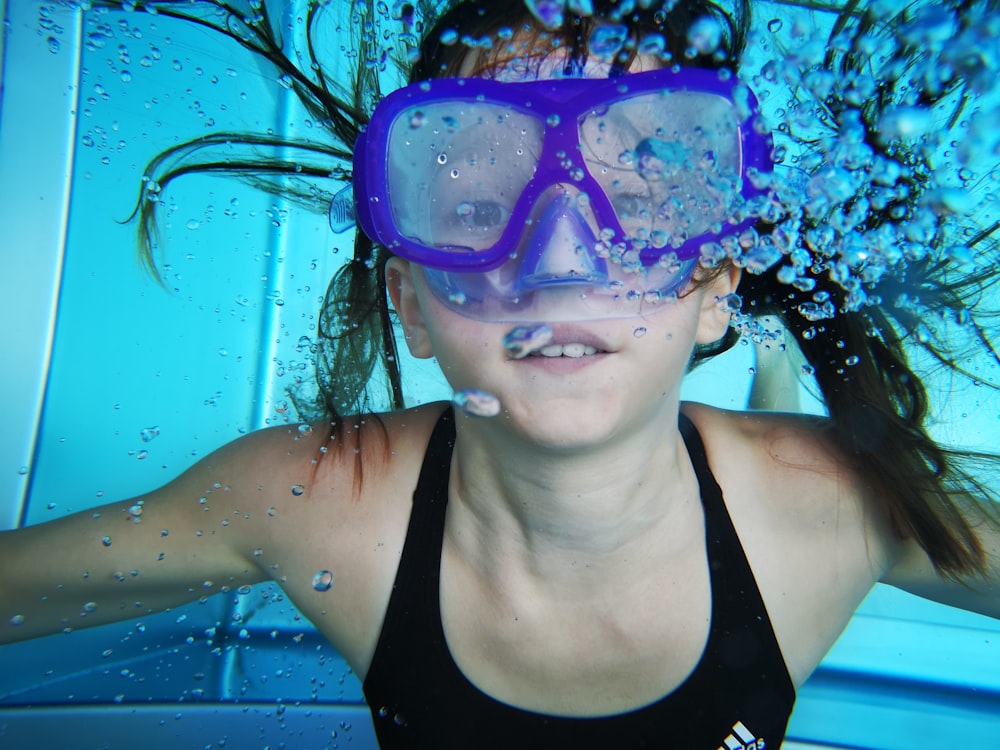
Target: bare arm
[(192, 538), (914, 572)]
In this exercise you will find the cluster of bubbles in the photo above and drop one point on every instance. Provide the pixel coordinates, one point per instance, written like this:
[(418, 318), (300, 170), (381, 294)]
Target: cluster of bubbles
[(857, 192)]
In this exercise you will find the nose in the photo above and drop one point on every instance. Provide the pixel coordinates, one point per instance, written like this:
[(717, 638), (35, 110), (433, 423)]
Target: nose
[(560, 249)]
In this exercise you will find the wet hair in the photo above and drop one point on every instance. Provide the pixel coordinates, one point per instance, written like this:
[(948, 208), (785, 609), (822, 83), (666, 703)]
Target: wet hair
[(858, 319)]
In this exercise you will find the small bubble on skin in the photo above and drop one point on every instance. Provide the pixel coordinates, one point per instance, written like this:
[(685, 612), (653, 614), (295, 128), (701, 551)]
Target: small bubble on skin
[(298, 489), (639, 332), (476, 403), (106, 541), (89, 607), (323, 580), (17, 620)]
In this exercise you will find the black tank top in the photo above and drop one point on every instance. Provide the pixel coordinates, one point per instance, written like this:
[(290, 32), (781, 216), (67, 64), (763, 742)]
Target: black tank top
[(739, 695)]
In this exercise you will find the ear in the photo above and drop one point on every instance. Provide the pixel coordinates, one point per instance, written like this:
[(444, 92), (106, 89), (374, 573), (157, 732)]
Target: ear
[(714, 318), (399, 284)]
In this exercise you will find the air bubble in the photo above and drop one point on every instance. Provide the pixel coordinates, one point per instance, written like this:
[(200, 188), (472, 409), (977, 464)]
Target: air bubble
[(652, 44), (106, 541), (17, 620), (298, 489), (607, 40), (149, 433), (730, 303), (323, 580), (548, 12), (417, 120), (705, 35), (524, 340), (477, 403)]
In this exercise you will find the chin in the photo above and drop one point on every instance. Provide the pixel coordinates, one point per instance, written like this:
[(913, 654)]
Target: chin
[(569, 425)]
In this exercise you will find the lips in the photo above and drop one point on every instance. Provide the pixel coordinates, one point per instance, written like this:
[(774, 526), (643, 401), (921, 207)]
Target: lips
[(574, 342)]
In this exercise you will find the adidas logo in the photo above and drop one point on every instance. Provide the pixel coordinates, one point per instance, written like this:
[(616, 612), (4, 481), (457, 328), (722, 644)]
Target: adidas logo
[(742, 739)]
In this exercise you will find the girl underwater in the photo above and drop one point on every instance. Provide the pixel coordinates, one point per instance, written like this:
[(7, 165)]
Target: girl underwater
[(569, 556)]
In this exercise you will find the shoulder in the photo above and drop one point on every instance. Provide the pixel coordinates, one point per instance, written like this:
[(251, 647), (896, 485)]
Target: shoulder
[(338, 499), (787, 469), (770, 450), (814, 534)]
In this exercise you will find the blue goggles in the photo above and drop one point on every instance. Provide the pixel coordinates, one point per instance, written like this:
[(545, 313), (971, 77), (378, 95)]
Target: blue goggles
[(562, 199)]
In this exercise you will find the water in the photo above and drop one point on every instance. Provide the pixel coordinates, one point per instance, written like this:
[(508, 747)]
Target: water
[(171, 374)]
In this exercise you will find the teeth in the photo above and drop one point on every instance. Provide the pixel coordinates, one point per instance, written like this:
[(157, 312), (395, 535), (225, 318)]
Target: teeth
[(566, 350)]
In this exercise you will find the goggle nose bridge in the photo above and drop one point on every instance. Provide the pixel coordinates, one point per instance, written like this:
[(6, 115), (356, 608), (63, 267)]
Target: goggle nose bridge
[(561, 161), (559, 248)]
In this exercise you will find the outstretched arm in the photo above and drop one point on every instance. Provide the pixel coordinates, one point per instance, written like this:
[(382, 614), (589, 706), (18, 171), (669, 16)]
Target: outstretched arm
[(192, 538)]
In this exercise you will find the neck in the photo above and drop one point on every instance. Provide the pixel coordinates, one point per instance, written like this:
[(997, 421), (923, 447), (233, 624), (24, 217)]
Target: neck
[(563, 511)]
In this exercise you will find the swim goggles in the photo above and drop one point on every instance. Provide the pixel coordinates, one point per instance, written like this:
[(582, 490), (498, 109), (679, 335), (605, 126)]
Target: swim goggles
[(562, 199)]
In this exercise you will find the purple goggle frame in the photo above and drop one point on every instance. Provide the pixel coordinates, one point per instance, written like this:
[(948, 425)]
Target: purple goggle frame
[(560, 104)]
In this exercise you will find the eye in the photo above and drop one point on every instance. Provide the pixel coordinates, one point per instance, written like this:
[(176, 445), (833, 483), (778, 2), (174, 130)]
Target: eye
[(630, 206), (484, 214)]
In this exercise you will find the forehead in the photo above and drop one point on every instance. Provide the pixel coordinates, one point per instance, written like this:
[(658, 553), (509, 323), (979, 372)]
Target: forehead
[(529, 59)]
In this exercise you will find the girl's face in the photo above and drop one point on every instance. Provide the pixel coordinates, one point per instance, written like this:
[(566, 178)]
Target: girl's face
[(603, 375)]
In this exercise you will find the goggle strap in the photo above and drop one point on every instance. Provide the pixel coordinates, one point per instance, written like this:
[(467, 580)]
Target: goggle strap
[(343, 216)]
